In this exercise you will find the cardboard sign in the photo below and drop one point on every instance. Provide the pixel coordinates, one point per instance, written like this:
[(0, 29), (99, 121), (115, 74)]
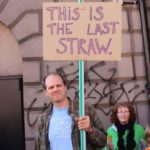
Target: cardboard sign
[(87, 31)]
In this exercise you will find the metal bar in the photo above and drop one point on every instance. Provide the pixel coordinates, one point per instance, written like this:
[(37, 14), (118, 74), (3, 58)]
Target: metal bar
[(81, 103), (81, 99), (146, 44)]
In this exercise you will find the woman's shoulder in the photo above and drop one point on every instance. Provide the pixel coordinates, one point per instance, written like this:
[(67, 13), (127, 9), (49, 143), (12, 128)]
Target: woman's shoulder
[(138, 126), (139, 130), (112, 128)]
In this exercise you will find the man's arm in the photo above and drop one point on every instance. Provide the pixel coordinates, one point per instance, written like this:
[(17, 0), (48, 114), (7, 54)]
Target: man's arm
[(38, 133), (94, 128)]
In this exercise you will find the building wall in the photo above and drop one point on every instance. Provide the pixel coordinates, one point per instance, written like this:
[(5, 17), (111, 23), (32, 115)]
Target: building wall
[(106, 82)]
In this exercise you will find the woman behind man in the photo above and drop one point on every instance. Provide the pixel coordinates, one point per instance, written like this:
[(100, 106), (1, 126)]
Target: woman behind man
[(124, 134)]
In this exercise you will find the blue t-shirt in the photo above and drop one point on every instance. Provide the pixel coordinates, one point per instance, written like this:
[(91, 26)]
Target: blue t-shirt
[(59, 133)]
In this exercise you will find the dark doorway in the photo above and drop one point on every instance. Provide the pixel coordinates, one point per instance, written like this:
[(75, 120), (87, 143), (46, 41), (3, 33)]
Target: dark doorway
[(11, 113)]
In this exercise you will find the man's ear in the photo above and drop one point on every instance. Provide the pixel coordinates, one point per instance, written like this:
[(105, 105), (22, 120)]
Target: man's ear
[(66, 89), (46, 93)]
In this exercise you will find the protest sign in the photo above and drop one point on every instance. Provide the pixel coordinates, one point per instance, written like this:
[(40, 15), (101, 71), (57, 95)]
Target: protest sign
[(87, 31)]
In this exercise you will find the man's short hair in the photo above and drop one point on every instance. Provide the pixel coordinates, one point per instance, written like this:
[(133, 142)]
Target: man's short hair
[(54, 74)]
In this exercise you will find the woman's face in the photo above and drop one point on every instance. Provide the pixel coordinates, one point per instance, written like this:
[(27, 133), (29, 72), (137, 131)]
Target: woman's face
[(123, 115)]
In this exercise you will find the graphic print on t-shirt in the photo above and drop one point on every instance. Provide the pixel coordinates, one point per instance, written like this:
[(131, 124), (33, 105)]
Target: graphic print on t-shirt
[(62, 127), (60, 130)]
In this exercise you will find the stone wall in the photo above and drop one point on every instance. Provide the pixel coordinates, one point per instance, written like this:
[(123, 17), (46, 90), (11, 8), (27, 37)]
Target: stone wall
[(106, 83)]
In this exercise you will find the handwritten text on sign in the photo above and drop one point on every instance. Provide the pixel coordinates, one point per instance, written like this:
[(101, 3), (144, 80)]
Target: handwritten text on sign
[(88, 31)]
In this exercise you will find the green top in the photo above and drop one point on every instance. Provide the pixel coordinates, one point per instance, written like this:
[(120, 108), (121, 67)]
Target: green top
[(138, 131)]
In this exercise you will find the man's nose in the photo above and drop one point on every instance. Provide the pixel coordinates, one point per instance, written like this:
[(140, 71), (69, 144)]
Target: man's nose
[(55, 88)]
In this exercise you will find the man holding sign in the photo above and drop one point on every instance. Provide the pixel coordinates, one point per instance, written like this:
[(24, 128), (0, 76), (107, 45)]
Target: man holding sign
[(59, 126)]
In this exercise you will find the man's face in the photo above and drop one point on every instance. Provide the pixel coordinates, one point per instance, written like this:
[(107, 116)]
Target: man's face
[(55, 89)]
